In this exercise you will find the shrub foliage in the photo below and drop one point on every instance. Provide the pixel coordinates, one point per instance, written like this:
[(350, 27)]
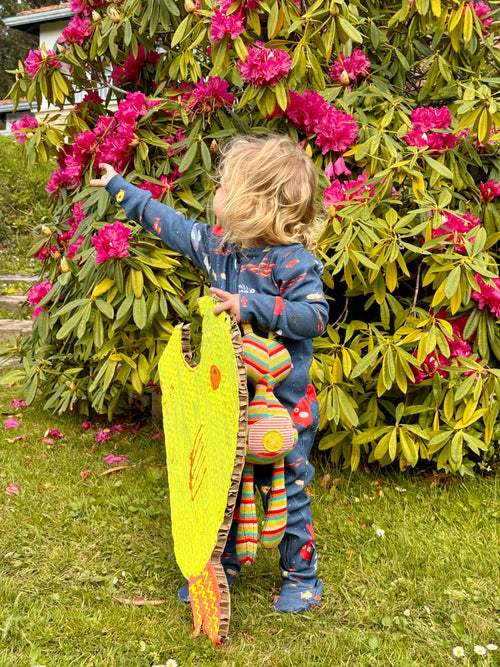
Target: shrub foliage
[(397, 102)]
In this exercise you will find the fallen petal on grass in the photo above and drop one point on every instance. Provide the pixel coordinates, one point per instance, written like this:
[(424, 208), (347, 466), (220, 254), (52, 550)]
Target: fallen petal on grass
[(12, 489), (85, 473), (111, 459), (11, 423), (18, 403)]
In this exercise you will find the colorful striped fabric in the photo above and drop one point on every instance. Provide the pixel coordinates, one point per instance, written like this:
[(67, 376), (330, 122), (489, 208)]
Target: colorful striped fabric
[(271, 435)]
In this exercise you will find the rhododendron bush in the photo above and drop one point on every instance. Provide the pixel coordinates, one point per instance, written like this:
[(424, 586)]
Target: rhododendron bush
[(397, 103)]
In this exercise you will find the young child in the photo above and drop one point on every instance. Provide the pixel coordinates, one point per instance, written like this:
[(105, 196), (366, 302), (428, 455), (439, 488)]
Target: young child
[(258, 265)]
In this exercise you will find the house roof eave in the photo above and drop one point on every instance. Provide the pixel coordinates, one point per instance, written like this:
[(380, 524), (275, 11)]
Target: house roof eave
[(20, 21)]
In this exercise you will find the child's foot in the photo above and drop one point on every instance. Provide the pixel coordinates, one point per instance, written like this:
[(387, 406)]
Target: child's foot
[(294, 598), (231, 575)]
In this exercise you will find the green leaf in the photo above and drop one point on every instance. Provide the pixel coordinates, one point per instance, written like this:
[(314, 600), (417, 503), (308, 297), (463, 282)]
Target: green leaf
[(439, 167), (139, 312), (369, 360)]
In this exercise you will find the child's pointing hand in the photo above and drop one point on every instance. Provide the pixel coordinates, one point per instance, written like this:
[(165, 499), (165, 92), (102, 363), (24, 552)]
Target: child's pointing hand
[(231, 303), (105, 178)]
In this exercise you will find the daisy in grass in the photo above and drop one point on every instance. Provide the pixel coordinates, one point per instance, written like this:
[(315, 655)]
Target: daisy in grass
[(458, 652), (480, 650)]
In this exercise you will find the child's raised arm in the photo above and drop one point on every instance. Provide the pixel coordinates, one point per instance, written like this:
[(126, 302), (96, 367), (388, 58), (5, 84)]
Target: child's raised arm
[(106, 177), (186, 236)]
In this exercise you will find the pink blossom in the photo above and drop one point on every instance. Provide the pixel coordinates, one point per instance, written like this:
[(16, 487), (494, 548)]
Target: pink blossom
[(211, 95), (227, 24), (111, 459), (158, 191), (339, 194), (54, 432), (489, 294), (489, 190), (38, 292), (264, 66), (27, 122), (357, 67), (86, 7), (336, 131), (425, 119), (111, 241), (483, 12), (18, 403), (132, 67), (77, 30), (12, 489), (87, 425), (306, 109), (38, 60), (37, 311), (102, 435), (11, 423), (436, 362), (157, 436), (340, 167), (84, 473), (459, 226)]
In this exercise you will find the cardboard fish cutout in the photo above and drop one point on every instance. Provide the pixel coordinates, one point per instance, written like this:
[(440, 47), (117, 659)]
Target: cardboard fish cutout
[(205, 424)]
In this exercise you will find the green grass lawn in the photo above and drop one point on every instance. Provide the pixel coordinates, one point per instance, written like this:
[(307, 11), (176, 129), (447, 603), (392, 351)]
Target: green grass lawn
[(77, 548)]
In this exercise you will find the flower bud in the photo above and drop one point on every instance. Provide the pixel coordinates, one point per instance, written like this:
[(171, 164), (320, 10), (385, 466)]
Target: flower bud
[(334, 10), (29, 135), (134, 141), (344, 78), (61, 48), (46, 230), (308, 150), (189, 6), (214, 147), (114, 15), (64, 266), (56, 254), (96, 16)]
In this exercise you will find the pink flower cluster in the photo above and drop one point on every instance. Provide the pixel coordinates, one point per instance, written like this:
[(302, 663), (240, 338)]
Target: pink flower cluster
[(356, 66), (158, 191), (489, 190), (335, 130), (232, 24), (426, 119), (38, 60), (483, 12), (488, 296), (86, 7), (435, 361), (111, 241), (210, 95), (36, 294), (455, 228), (132, 67), (264, 67), (64, 238), (113, 140), (77, 30), (27, 122), (338, 194)]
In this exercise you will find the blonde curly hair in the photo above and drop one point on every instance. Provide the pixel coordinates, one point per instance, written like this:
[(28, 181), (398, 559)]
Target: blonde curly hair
[(271, 193)]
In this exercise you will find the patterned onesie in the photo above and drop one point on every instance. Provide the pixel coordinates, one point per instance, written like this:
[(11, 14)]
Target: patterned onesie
[(280, 290)]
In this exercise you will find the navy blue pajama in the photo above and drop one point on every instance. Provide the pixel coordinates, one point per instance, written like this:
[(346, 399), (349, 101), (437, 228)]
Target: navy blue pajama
[(280, 291)]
